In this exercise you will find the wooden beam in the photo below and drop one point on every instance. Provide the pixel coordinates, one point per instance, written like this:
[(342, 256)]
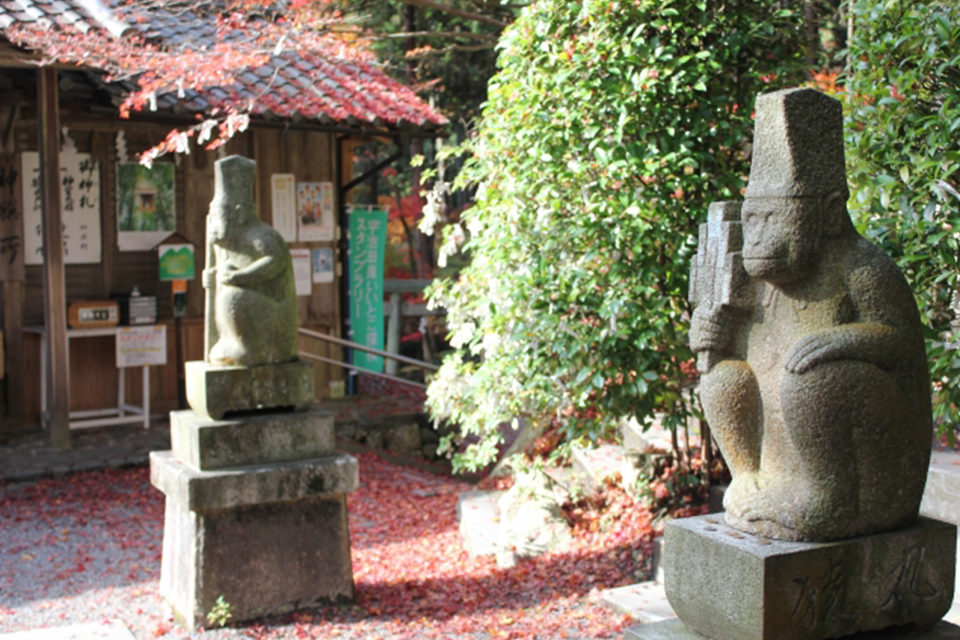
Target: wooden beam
[(54, 290)]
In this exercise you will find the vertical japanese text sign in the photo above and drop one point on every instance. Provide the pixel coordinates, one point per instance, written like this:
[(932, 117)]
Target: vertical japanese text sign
[(11, 225), (368, 241), (80, 203)]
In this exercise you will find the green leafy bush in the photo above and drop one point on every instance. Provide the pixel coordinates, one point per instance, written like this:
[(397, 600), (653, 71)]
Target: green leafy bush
[(903, 155), (609, 127)]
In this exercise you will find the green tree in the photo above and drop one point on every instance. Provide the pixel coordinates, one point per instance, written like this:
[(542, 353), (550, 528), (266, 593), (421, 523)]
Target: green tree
[(609, 127), (903, 125), (445, 50)]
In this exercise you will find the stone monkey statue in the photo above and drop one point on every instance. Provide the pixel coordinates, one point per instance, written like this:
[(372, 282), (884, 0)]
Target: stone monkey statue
[(814, 375), (251, 298)]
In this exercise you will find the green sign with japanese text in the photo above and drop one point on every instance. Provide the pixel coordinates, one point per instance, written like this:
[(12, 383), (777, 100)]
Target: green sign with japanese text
[(368, 242)]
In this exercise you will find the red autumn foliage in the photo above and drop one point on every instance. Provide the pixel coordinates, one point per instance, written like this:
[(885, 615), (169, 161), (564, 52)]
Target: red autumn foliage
[(413, 577), (241, 59)]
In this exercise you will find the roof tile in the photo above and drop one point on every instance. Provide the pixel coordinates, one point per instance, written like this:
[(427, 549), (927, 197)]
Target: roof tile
[(288, 86)]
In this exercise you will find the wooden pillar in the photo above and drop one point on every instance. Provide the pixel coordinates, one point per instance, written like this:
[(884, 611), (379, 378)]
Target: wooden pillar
[(13, 345), (54, 290)]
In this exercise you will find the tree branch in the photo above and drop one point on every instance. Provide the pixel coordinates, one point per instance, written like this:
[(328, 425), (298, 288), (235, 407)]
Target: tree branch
[(431, 4), (437, 34), (426, 53)]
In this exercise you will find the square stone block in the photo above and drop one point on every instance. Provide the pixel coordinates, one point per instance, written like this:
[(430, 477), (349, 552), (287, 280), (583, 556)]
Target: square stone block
[(206, 444), (728, 585), (268, 539), (217, 391), (256, 484), (675, 630), (261, 559)]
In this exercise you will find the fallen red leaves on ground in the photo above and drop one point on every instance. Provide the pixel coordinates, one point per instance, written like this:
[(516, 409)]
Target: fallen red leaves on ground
[(413, 577)]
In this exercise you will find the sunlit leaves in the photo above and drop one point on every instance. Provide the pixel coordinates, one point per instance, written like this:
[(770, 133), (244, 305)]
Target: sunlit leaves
[(609, 128), (903, 117)]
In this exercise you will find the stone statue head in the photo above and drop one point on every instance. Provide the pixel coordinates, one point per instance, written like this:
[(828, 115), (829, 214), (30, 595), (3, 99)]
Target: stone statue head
[(233, 204), (796, 195)]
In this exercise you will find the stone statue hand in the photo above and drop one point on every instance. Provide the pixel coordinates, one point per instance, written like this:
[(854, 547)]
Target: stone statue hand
[(209, 277), (814, 349), (710, 329), (227, 274)]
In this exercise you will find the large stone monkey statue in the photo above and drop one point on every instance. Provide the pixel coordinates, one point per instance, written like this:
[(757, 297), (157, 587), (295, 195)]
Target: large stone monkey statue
[(814, 375), (251, 299)]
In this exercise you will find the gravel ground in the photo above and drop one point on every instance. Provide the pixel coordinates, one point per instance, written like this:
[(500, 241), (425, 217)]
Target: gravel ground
[(85, 548)]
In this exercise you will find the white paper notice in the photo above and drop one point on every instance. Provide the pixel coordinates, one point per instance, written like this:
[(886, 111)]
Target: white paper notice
[(301, 270), (283, 194), (139, 346)]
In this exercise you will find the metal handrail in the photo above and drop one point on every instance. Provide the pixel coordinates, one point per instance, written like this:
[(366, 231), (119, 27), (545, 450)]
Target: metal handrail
[(426, 366), (352, 369)]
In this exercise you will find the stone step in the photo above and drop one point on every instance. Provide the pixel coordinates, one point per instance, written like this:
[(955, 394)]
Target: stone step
[(597, 463), (95, 631), (636, 438), (645, 602), (478, 515), (940, 503)]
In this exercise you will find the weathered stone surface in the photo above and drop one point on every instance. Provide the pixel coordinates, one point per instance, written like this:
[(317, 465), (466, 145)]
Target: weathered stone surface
[(247, 486), (645, 602), (597, 463), (814, 377), (262, 559), (403, 437), (531, 520), (219, 391), (249, 276), (728, 585), (940, 502), (478, 516), (675, 630), (267, 538), (206, 444), (942, 490)]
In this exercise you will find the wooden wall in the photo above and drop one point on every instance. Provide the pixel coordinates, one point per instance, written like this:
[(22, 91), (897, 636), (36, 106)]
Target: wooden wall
[(309, 155)]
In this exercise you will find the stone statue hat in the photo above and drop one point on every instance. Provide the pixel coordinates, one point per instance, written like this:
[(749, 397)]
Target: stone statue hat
[(234, 177), (797, 145)]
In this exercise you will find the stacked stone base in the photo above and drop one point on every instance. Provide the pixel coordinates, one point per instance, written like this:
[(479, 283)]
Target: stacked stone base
[(728, 585), (267, 536)]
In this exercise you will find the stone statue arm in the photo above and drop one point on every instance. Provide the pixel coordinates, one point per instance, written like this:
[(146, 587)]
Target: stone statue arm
[(260, 270), (875, 343), (884, 329)]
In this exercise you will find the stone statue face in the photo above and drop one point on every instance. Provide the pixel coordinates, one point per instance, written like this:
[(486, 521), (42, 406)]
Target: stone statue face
[(781, 237)]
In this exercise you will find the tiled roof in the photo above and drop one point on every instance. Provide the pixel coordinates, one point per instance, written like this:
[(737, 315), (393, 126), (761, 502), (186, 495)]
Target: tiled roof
[(290, 87)]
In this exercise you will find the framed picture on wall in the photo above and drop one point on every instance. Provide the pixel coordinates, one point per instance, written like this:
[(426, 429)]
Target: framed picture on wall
[(146, 205)]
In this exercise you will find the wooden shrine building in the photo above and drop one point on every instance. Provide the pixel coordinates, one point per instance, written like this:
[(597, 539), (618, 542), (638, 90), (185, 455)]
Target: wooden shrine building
[(110, 216)]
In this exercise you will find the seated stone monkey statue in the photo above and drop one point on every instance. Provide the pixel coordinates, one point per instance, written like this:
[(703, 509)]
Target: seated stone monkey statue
[(814, 374), (251, 299)]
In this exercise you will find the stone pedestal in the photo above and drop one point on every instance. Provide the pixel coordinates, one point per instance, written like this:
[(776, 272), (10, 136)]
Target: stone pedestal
[(727, 585), (255, 514), (674, 630), (213, 391), (940, 503)]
